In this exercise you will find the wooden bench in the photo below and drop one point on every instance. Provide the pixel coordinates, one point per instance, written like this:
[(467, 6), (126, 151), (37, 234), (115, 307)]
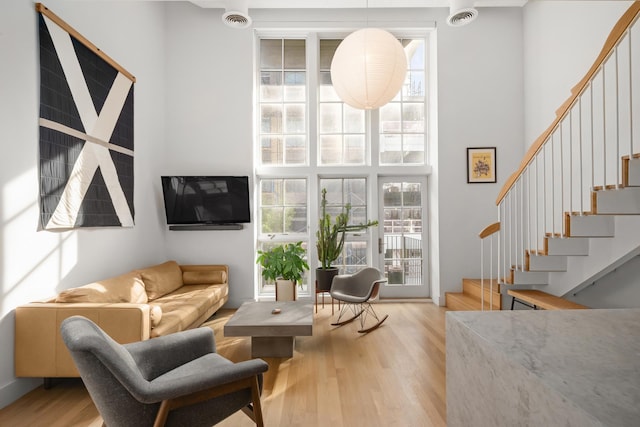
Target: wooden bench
[(539, 299)]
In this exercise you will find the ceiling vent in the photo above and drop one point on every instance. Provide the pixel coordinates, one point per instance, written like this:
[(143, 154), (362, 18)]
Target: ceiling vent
[(236, 15), (461, 12)]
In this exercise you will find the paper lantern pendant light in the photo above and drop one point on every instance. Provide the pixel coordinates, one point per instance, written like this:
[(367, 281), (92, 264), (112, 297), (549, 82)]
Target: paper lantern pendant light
[(368, 68)]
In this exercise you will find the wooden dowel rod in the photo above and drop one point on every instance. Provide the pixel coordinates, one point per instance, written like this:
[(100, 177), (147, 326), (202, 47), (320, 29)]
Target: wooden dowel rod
[(69, 29)]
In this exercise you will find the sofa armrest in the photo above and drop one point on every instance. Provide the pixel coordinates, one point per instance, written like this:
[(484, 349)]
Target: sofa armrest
[(39, 349)]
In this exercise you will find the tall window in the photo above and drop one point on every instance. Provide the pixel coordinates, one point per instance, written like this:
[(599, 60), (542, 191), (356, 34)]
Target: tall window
[(342, 128), (308, 139), (283, 216), (283, 96), (402, 121)]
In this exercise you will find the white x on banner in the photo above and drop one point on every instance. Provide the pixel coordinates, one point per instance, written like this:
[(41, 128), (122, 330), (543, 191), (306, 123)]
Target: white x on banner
[(98, 128)]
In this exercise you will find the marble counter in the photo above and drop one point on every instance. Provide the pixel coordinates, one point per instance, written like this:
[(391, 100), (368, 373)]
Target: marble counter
[(543, 368)]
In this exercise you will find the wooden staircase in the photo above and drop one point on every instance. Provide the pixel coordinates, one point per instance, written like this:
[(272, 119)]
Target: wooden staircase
[(543, 244), (538, 265), (471, 296), (580, 229)]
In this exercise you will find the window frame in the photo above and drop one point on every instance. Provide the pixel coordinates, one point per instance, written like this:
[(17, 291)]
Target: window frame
[(313, 171)]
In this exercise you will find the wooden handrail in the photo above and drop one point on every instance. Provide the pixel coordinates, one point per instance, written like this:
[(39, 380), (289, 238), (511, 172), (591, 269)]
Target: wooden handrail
[(69, 29), (489, 230), (617, 33)]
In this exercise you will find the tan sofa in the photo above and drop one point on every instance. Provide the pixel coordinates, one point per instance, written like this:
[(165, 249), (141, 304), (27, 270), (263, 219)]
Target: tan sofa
[(135, 306)]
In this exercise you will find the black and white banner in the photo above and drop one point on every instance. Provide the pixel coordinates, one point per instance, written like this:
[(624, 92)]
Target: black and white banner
[(86, 135)]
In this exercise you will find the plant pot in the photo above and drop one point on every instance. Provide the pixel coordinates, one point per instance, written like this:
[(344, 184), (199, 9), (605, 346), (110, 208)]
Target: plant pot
[(285, 290), (324, 278), (395, 276)]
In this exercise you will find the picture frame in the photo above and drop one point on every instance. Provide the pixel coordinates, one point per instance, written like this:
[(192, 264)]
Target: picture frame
[(481, 165)]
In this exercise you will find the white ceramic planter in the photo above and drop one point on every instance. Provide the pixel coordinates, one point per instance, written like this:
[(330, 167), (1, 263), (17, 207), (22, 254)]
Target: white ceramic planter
[(285, 290)]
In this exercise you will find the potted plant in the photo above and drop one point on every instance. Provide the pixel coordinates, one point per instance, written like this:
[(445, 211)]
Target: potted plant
[(331, 235), (284, 265)]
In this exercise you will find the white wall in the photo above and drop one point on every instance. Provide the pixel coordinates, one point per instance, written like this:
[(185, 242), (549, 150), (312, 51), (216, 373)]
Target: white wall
[(209, 129), (37, 265), (481, 105), (561, 41)]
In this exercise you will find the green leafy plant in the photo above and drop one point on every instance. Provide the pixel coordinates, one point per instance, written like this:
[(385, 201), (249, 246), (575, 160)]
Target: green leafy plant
[(331, 233), (283, 262)]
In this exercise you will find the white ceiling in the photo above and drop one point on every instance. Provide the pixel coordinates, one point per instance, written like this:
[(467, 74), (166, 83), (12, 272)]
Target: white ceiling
[(337, 4)]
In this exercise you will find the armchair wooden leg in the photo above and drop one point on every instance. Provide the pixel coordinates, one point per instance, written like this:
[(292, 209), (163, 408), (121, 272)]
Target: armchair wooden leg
[(161, 416), (254, 410)]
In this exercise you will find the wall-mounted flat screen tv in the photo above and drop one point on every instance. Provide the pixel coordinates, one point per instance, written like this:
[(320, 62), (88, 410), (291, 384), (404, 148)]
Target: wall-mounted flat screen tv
[(206, 199)]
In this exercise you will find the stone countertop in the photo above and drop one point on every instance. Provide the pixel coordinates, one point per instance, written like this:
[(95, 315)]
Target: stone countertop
[(590, 357)]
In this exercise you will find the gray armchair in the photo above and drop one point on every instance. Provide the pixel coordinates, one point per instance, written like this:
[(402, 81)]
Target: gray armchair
[(355, 291), (178, 379)]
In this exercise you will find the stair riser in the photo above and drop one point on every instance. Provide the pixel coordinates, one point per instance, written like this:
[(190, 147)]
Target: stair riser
[(634, 173), (592, 226), (474, 289), (489, 298), (547, 263), (487, 294), (530, 278), (624, 201), (457, 303), (578, 246)]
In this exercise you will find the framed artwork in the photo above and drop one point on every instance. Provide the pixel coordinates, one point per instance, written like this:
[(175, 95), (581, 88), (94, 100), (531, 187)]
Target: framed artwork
[(481, 164)]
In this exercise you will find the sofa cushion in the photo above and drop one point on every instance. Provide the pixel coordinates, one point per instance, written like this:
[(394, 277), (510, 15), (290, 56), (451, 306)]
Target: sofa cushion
[(209, 277), (161, 279), (183, 307), (124, 288), (155, 314)]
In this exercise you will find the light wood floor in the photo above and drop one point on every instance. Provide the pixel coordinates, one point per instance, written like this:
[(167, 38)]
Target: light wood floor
[(393, 376)]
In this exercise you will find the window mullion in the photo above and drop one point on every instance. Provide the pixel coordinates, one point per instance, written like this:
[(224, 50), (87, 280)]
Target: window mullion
[(373, 124), (312, 98)]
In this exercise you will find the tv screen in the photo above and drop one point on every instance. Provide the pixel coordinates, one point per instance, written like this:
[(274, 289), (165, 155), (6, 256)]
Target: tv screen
[(206, 199)]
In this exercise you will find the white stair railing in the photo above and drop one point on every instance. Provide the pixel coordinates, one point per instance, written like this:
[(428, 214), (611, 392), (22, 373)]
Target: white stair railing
[(489, 237), (578, 154)]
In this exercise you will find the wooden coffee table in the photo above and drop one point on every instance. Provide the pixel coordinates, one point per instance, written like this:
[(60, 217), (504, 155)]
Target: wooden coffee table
[(272, 335)]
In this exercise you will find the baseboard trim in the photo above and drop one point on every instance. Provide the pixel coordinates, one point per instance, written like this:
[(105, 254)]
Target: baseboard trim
[(14, 390), (415, 300)]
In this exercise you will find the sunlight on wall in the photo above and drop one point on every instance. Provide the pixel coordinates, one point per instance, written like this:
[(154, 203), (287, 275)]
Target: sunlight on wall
[(33, 262)]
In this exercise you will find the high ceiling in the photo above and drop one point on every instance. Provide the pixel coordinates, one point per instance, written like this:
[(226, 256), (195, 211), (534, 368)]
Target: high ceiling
[(330, 4)]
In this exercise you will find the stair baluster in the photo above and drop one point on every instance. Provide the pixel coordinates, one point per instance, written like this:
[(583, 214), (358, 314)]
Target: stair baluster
[(572, 163)]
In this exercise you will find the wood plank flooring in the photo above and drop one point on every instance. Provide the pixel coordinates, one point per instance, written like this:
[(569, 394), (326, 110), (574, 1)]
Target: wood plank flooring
[(394, 376)]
